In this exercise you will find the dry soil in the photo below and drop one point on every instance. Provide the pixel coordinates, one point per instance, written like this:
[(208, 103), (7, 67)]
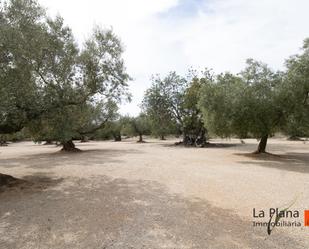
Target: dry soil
[(152, 195)]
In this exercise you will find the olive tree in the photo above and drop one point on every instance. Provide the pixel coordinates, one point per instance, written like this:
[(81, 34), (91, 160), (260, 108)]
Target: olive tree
[(21, 99), (194, 129), (50, 80), (156, 106), (172, 100), (115, 128), (247, 104), (140, 126), (295, 93)]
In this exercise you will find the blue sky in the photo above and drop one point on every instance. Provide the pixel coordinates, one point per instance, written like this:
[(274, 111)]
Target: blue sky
[(183, 9), (164, 35)]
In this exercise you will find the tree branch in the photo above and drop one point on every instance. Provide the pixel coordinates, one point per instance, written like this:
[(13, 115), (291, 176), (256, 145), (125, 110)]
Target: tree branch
[(95, 128)]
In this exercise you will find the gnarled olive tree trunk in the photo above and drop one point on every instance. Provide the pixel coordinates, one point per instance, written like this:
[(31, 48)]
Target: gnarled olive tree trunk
[(84, 139), (48, 142), (262, 145), (69, 146), (117, 137), (197, 139), (140, 140), (3, 143)]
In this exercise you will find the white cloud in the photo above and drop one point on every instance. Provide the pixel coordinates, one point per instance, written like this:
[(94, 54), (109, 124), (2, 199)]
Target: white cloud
[(165, 35)]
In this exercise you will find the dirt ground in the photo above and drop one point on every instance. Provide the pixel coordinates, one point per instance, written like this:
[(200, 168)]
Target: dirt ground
[(152, 195)]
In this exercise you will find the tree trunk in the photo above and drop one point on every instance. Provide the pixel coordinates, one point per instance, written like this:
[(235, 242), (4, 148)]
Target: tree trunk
[(48, 142), (262, 145), (69, 146), (84, 139), (162, 137), (140, 140), (117, 137), (196, 139), (3, 143)]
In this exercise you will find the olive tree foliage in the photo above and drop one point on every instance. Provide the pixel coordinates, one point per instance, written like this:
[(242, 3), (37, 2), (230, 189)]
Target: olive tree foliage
[(115, 128), (171, 102), (218, 98), (139, 126), (20, 23), (47, 79), (194, 129), (82, 121), (157, 108), (135, 126), (246, 104), (295, 94), (112, 130)]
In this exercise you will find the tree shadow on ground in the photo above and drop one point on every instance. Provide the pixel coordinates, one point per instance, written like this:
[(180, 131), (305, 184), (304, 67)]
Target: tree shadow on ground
[(101, 212), (9, 181), (207, 146), (296, 162), (28, 183), (86, 158)]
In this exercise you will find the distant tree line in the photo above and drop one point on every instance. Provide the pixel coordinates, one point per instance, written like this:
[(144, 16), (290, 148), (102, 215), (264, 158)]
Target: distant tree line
[(257, 102)]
